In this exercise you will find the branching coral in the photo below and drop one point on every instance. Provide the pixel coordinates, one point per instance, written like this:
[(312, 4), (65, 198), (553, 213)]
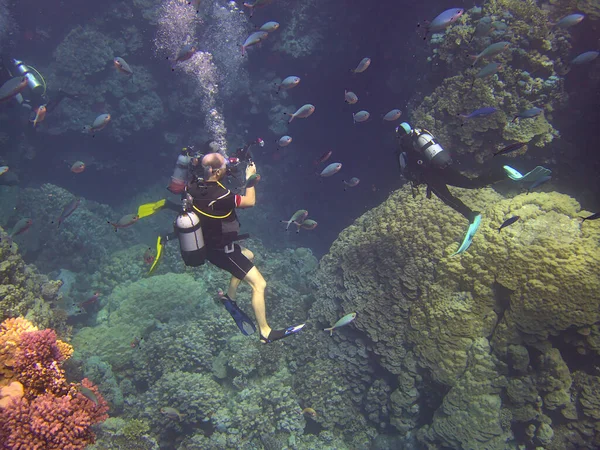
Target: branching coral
[(42, 410), (38, 364), (51, 422)]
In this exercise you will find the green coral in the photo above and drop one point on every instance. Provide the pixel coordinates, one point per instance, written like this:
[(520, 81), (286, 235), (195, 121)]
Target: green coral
[(135, 428), (133, 310), (124, 434), (123, 267), (471, 415), (195, 396), (537, 131), (25, 292), (538, 277), (528, 77)]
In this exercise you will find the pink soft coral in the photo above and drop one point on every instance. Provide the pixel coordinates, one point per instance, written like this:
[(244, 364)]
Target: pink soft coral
[(50, 422)]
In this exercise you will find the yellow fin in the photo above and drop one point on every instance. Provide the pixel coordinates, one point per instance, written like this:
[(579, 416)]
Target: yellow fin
[(159, 248), (148, 209)]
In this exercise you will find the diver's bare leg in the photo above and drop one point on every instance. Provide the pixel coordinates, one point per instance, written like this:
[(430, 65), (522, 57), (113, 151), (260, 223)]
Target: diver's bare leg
[(258, 285), (233, 285)]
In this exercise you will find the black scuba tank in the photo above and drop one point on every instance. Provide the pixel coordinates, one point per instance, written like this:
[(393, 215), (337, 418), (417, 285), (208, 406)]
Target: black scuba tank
[(191, 239)]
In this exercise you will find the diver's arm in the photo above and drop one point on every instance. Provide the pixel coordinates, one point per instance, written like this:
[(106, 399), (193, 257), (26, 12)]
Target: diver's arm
[(173, 206), (248, 200)]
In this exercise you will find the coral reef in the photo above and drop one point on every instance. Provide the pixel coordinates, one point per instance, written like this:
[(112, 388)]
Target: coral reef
[(25, 292), (472, 322), (51, 422), (529, 77), (46, 411), (80, 243), (133, 310)]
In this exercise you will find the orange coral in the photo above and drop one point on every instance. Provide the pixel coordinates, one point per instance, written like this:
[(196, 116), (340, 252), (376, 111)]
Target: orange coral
[(66, 350), (13, 391), (10, 338)]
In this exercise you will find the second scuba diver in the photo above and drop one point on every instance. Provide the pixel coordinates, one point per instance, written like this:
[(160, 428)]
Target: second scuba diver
[(422, 160), (34, 96), (207, 228)]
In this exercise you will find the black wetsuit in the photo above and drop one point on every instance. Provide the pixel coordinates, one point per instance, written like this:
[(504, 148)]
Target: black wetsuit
[(437, 179), (215, 204)]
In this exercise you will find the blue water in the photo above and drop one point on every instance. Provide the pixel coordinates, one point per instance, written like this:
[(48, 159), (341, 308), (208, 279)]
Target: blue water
[(161, 111)]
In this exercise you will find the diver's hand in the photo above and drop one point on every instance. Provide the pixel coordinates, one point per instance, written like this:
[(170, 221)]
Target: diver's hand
[(250, 169)]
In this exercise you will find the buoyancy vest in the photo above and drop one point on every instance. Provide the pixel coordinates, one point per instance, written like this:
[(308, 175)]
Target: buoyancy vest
[(216, 206)]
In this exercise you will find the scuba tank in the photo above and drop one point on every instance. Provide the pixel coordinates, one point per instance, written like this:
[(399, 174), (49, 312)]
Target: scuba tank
[(191, 239), (180, 176), (36, 86), (426, 145)]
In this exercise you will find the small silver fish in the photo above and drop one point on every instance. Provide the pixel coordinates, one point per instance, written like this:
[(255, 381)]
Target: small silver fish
[(171, 413), (308, 224), (288, 83), (302, 113), (569, 21), (122, 66), (393, 115), (253, 39), (298, 217), (352, 182), (362, 66), (284, 141), (331, 169), (342, 322), (350, 97), (99, 123), (491, 50), (88, 393), (361, 116), (585, 57), (269, 27)]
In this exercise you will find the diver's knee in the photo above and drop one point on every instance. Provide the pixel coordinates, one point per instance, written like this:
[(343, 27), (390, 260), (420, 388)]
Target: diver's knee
[(256, 280)]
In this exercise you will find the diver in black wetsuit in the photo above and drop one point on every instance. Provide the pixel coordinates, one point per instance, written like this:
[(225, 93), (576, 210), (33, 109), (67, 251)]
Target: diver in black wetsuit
[(422, 160), (35, 94)]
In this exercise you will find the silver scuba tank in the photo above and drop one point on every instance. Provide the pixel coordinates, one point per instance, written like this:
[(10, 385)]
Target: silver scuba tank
[(34, 84), (191, 240), (433, 152)]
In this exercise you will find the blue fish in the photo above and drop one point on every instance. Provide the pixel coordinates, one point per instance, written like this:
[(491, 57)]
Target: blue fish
[(585, 57), (539, 183), (592, 217), (508, 222), (481, 112), (569, 21), (529, 113)]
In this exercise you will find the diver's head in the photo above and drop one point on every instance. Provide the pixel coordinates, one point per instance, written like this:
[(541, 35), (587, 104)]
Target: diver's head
[(403, 129), (215, 167)]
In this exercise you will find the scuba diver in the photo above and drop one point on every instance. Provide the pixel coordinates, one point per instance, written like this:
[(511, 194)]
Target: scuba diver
[(207, 229), (422, 160), (34, 99)]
